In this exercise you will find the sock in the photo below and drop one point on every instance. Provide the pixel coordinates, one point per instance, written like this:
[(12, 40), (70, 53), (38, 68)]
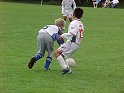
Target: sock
[(62, 62), (48, 61), (67, 64), (38, 56)]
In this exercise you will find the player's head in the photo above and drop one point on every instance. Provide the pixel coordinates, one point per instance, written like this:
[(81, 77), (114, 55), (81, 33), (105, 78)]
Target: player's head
[(78, 13), (60, 23)]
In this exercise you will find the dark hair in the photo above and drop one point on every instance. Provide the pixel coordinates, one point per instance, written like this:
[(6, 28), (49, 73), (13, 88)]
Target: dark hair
[(78, 13)]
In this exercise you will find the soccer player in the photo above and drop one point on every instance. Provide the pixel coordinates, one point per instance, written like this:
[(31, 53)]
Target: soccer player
[(114, 3), (95, 3), (74, 36), (46, 37), (68, 7)]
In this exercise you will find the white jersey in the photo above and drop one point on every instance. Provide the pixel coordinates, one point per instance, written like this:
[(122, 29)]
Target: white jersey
[(50, 29), (53, 31), (115, 1), (76, 28), (68, 5), (74, 35)]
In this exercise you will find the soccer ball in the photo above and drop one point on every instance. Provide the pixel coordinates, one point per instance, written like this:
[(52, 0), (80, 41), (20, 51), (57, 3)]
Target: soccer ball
[(71, 62)]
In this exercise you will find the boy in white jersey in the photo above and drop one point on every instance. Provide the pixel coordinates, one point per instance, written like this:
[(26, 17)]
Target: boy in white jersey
[(46, 37), (74, 36), (68, 7), (114, 3)]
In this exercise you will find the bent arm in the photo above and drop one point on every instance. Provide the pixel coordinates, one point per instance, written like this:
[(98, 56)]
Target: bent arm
[(67, 36)]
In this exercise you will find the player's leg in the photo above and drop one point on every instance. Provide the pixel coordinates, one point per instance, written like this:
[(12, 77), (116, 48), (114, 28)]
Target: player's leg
[(60, 57), (49, 47), (114, 5), (47, 63), (70, 19), (62, 62), (69, 52), (64, 15), (65, 18), (70, 16), (97, 4), (40, 53), (94, 3)]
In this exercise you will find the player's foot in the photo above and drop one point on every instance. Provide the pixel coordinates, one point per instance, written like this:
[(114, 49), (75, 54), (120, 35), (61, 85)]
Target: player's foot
[(66, 71), (46, 69), (31, 63)]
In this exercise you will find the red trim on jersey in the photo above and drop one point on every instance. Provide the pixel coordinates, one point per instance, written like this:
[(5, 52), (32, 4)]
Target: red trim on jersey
[(80, 31)]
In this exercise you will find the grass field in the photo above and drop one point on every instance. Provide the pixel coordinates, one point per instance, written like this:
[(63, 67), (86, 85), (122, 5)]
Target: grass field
[(100, 58)]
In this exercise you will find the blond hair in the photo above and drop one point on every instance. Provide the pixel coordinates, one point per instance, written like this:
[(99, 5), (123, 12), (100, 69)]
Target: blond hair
[(59, 21)]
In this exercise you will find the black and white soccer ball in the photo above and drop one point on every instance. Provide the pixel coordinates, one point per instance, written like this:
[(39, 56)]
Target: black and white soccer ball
[(71, 62)]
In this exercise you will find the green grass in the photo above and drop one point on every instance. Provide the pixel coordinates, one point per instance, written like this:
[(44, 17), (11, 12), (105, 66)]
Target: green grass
[(100, 58)]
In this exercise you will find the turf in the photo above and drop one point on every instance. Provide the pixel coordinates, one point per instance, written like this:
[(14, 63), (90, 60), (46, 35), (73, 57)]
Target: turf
[(100, 58)]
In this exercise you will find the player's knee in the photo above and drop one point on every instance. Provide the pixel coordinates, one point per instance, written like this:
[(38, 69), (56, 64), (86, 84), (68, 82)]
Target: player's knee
[(57, 53), (65, 18)]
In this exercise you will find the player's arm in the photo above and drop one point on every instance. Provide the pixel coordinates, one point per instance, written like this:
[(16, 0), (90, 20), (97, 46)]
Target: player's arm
[(71, 32), (60, 32), (58, 38), (67, 36), (73, 5)]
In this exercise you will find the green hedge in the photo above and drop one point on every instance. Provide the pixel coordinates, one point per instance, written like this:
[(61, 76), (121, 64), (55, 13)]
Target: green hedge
[(58, 2)]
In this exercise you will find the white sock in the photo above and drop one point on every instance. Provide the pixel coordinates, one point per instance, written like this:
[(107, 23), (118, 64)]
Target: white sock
[(62, 62), (67, 64)]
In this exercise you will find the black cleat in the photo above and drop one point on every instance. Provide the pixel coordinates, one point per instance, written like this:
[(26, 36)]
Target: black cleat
[(31, 63), (66, 71)]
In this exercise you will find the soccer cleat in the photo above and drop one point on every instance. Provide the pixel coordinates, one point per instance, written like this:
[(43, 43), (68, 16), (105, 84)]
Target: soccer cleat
[(66, 71), (31, 63)]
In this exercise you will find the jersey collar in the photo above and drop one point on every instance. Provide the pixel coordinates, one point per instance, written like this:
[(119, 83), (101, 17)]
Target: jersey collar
[(76, 19)]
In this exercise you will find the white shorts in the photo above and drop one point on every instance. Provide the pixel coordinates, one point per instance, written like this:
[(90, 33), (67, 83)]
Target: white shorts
[(69, 14), (68, 48)]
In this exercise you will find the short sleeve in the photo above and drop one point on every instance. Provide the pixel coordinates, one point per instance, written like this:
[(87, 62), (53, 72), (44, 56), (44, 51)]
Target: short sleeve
[(72, 29)]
